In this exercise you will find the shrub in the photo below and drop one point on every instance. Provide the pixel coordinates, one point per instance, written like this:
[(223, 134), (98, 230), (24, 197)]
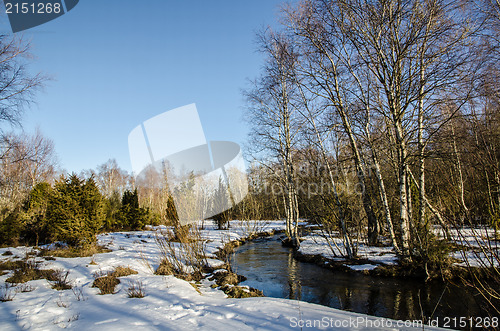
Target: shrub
[(22, 288), (431, 255), (78, 292), (6, 293), (60, 280), (28, 271), (136, 289), (121, 271), (106, 284)]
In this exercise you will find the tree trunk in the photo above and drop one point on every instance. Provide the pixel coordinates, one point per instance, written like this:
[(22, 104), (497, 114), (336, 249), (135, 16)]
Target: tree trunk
[(343, 227), (403, 193), (373, 229), (385, 201), (460, 173)]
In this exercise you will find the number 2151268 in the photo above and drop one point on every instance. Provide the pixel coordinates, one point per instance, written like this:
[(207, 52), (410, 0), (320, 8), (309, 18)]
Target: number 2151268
[(33, 8)]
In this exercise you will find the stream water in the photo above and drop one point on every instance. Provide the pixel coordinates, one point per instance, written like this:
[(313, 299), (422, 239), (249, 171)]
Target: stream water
[(270, 267)]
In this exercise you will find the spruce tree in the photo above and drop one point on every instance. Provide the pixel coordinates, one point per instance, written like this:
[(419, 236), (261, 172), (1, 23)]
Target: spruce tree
[(112, 207), (35, 214), (132, 216), (75, 211)]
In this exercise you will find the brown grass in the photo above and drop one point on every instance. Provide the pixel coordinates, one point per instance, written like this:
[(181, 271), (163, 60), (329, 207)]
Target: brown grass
[(165, 268), (181, 250), (122, 271), (28, 270), (225, 278), (136, 289), (11, 265), (196, 287), (60, 280), (106, 284), (241, 292), (69, 252)]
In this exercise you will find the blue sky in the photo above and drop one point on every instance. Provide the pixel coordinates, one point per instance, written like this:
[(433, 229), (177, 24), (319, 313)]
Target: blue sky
[(117, 63)]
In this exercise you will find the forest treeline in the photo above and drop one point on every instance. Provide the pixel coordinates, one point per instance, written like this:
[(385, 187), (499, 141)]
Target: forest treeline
[(380, 119), (71, 209)]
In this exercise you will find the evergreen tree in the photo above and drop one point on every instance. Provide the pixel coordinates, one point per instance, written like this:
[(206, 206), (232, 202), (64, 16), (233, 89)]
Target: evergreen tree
[(219, 203), (132, 216), (75, 211), (10, 227), (92, 205), (34, 215), (112, 207)]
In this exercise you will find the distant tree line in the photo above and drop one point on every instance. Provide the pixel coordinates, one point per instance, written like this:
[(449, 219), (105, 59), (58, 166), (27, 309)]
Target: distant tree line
[(72, 210)]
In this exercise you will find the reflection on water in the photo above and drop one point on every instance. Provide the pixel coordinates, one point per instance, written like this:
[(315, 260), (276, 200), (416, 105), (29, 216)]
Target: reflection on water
[(271, 268)]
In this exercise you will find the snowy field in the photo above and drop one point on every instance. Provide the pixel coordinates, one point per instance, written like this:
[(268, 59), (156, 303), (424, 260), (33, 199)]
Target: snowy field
[(169, 303), (315, 244), (471, 239)]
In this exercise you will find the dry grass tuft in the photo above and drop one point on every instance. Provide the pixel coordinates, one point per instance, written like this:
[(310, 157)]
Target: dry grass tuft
[(122, 271), (82, 251), (28, 270), (165, 268), (60, 280), (136, 289), (182, 252), (241, 292), (6, 292), (106, 284)]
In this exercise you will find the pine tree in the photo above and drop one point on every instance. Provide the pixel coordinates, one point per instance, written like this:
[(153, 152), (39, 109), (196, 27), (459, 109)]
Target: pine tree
[(75, 211), (10, 227), (112, 207), (35, 212), (132, 216)]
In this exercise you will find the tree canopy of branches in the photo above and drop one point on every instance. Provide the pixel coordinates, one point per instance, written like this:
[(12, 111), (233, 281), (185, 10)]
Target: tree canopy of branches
[(370, 86)]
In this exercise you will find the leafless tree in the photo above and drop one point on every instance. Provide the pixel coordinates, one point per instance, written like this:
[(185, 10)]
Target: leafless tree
[(26, 161), (273, 119), (18, 152), (325, 66), (111, 178)]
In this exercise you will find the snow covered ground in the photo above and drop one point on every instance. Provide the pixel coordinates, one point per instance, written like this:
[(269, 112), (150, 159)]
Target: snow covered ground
[(169, 304), (470, 238), (333, 248)]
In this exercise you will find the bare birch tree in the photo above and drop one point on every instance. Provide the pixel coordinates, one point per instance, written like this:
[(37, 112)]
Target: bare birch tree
[(406, 45), (325, 65), (274, 121)]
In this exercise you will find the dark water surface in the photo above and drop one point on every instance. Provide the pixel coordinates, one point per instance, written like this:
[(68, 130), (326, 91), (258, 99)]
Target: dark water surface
[(271, 268)]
